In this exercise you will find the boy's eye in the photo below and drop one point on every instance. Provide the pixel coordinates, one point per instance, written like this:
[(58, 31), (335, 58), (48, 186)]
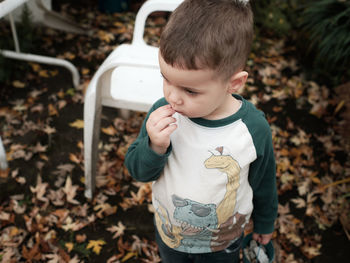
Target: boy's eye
[(191, 92)]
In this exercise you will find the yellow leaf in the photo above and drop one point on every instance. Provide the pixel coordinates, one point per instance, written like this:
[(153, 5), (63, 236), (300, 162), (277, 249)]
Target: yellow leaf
[(69, 246), (339, 106), (80, 145), (105, 36), (60, 94), (52, 110), (14, 232), (43, 73), (44, 157), (69, 55), (129, 255), (109, 131), (18, 84), (79, 124), (85, 71), (74, 158), (96, 245), (35, 67), (54, 73), (316, 180), (118, 24)]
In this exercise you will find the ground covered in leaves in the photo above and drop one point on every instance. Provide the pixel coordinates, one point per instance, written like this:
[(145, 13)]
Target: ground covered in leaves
[(44, 216)]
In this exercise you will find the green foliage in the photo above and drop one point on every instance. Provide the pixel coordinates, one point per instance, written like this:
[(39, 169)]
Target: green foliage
[(326, 25), (10, 68), (271, 17), (25, 30), (3, 72)]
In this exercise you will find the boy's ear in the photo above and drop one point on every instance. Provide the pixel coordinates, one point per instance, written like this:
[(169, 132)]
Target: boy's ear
[(237, 81)]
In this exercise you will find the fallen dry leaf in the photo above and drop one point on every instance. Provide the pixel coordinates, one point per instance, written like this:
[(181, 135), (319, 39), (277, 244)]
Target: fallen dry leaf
[(117, 230), (96, 245), (70, 190), (79, 124)]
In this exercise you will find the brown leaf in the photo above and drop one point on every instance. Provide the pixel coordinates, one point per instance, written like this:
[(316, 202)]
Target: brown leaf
[(40, 190), (80, 238), (18, 84), (300, 203), (105, 209), (117, 230), (39, 148), (311, 251), (52, 110), (70, 191), (4, 173), (32, 254), (49, 130)]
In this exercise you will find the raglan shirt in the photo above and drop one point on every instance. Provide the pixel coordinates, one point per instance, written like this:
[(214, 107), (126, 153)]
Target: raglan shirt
[(215, 175)]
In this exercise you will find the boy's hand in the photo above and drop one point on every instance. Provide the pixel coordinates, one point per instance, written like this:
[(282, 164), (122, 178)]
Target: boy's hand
[(159, 126), (262, 238)]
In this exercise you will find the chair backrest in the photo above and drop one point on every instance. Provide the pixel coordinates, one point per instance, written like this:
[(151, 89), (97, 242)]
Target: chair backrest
[(147, 8), (8, 6)]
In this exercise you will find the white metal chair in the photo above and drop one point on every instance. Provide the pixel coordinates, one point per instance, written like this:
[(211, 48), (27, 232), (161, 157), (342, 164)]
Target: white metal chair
[(3, 161), (44, 14), (129, 78)]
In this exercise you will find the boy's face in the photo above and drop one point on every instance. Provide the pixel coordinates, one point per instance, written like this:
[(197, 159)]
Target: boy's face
[(196, 93)]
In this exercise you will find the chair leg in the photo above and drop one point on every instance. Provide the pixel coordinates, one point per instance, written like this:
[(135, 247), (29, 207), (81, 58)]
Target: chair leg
[(92, 121), (3, 162)]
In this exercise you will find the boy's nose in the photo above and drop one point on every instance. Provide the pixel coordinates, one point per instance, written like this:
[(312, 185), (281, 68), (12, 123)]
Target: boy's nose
[(175, 98)]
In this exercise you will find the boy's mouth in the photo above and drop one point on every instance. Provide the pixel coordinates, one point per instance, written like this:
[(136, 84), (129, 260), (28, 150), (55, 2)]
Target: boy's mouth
[(176, 110)]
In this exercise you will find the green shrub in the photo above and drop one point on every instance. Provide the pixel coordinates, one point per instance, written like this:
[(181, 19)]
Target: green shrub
[(326, 26), (26, 30), (271, 17), (10, 68)]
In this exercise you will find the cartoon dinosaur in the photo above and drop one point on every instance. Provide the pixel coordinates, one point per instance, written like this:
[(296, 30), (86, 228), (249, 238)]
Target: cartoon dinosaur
[(170, 233), (197, 221), (203, 225), (229, 166)]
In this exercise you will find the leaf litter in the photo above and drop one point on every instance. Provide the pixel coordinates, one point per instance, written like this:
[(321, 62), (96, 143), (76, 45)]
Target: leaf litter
[(44, 215)]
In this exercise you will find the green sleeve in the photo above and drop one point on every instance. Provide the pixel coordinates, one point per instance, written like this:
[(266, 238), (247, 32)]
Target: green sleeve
[(143, 163), (262, 176)]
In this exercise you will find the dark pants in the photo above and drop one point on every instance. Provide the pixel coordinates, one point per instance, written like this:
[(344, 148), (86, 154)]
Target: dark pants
[(169, 255)]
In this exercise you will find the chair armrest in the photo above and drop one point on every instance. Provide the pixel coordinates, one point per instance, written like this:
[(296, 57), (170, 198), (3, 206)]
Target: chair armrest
[(146, 9)]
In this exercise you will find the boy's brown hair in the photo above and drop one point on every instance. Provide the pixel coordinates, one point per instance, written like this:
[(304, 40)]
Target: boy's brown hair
[(209, 34)]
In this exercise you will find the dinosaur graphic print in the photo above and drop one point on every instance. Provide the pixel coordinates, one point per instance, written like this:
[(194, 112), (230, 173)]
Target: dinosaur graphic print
[(201, 225)]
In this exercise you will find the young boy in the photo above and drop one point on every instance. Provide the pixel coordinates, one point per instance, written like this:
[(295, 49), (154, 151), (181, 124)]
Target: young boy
[(207, 150)]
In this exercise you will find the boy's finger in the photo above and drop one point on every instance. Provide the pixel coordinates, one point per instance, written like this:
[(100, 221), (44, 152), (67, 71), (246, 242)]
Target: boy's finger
[(169, 130), (160, 113), (164, 123)]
